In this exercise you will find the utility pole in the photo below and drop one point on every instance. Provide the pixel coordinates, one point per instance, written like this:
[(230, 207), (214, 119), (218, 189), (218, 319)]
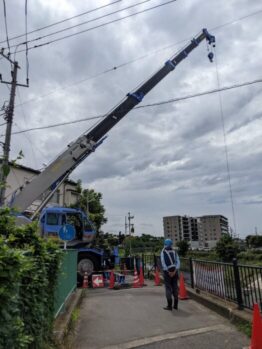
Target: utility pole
[(125, 226), (129, 217), (9, 122)]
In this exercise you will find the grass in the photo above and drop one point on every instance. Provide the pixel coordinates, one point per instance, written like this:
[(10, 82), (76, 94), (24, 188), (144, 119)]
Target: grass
[(245, 328)]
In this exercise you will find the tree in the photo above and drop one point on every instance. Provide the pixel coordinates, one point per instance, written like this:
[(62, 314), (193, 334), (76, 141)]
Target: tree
[(183, 247), (89, 201), (227, 248), (254, 241)]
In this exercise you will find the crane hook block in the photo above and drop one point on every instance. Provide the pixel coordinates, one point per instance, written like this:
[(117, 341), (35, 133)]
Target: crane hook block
[(137, 95), (171, 65), (210, 38), (210, 56)]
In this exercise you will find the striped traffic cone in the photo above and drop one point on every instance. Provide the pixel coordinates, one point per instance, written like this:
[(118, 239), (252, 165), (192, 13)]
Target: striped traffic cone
[(112, 280), (85, 281), (157, 278), (136, 283), (182, 288), (141, 277)]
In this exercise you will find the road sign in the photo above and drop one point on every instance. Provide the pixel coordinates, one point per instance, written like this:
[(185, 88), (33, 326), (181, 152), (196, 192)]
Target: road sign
[(67, 233), (97, 281)]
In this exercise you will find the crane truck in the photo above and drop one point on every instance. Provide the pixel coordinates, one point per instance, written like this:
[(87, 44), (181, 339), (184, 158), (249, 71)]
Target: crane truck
[(90, 258)]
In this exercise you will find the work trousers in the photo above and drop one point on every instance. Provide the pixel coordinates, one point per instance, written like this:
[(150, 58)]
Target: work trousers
[(171, 288)]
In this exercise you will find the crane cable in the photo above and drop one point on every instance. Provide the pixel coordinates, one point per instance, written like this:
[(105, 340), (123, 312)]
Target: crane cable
[(225, 142)]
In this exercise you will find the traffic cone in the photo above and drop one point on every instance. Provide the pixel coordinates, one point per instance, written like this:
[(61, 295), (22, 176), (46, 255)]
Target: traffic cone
[(157, 277), (85, 281), (141, 277), (112, 280), (136, 283), (182, 289), (256, 339)]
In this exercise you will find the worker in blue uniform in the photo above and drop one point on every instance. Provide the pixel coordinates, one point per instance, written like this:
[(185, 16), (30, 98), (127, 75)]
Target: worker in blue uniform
[(170, 264)]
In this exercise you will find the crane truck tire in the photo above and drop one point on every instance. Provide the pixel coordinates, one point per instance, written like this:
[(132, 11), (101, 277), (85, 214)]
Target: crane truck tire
[(86, 263)]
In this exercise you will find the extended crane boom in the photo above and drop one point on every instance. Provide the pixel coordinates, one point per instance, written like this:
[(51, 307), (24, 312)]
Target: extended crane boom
[(57, 172)]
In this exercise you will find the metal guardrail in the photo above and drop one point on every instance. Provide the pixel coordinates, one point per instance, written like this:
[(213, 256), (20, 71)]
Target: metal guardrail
[(241, 284)]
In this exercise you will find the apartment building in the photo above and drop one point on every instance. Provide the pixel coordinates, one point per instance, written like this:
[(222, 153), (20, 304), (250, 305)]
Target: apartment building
[(212, 228), (200, 232), (181, 228), (21, 175)]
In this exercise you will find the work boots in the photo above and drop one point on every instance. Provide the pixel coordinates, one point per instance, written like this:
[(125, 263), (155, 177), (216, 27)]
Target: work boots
[(169, 305), (175, 304)]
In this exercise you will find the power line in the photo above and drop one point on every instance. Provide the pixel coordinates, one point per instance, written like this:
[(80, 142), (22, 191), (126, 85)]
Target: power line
[(173, 100), (137, 59), (225, 146), (6, 30), (98, 26), (62, 21), (82, 23), (26, 52)]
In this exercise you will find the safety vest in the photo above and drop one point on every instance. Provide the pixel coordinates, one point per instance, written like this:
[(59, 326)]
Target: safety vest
[(170, 258)]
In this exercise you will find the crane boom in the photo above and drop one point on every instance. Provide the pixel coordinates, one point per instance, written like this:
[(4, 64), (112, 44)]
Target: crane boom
[(57, 172)]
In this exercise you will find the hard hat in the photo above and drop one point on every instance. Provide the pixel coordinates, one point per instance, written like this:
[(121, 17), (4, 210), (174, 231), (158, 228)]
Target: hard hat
[(168, 242)]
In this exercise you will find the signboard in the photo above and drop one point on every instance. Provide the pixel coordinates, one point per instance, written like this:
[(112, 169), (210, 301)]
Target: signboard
[(67, 233), (97, 281)]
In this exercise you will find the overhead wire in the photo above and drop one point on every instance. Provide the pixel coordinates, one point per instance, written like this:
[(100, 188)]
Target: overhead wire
[(225, 144), (98, 26), (171, 100), (106, 71), (6, 29), (82, 23), (62, 21), (27, 137), (26, 52)]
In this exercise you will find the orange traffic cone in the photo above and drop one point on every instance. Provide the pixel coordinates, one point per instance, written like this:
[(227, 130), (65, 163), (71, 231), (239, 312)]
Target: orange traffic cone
[(157, 277), (256, 339), (85, 280), (136, 283), (182, 289), (141, 277), (112, 280)]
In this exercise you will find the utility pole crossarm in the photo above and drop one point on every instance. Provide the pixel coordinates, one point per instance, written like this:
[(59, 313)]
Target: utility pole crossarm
[(83, 146)]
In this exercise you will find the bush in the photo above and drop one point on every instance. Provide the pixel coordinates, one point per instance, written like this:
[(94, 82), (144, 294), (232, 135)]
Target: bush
[(28, 272)]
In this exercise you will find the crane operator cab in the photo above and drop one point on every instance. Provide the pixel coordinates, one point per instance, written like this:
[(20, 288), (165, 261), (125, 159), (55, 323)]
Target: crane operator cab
[(53, 218)]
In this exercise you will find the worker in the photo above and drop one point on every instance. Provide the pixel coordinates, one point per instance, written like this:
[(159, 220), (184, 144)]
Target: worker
[(170, 265)]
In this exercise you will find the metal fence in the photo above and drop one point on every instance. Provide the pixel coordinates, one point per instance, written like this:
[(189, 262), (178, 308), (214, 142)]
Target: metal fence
[(66, 280), (241, 284)]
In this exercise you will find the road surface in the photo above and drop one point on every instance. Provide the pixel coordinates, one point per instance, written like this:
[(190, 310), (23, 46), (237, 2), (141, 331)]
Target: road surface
[(134, 318)]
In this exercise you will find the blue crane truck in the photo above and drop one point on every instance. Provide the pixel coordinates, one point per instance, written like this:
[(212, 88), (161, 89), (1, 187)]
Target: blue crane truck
[(90, 258)]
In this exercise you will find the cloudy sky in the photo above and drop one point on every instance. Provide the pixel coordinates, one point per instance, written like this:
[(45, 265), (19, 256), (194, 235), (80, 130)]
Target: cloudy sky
[(163, 160)]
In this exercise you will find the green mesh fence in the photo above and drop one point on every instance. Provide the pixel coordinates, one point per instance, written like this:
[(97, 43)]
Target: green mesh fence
[(67, 280)]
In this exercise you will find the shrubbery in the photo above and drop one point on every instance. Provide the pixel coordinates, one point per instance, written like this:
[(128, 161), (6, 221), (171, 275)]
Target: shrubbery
[(28, 274)]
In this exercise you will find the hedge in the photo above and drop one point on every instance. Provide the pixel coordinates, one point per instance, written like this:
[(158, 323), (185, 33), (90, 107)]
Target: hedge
[(28, 274)]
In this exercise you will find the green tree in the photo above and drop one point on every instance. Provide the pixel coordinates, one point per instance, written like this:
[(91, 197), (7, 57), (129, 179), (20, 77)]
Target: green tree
[(254, 241), (227, 248), (183, 247), (90, 202)]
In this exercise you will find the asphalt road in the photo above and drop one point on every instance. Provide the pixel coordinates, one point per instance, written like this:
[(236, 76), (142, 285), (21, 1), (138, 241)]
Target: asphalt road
[(134, 318)]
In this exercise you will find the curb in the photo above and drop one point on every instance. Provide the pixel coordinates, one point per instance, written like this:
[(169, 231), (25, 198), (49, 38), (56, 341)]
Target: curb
[(62, 321), (227, 309)]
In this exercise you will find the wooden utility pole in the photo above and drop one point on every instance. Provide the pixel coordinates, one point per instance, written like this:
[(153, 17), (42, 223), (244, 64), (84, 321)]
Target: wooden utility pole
[(9, 122)]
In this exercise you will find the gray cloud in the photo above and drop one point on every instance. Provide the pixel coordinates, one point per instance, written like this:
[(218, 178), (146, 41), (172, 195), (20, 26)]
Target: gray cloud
[(158, 161)]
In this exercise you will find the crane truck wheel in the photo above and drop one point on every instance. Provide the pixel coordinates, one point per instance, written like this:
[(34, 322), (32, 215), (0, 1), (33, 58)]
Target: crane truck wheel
[(86, 263)]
